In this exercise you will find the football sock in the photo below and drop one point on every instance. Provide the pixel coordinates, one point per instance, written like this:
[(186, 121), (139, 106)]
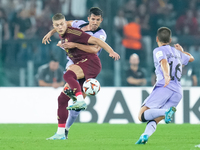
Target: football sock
[(62, 112), (72, 117), (71, 79), (60, 130), (151, 114), (150, 128), (80, 97)]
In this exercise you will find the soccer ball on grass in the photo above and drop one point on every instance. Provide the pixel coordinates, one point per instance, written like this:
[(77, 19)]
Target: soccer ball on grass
[(91, 86)]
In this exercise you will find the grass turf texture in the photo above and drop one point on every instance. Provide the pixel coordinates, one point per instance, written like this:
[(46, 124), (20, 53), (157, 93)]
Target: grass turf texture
[(91, 136)]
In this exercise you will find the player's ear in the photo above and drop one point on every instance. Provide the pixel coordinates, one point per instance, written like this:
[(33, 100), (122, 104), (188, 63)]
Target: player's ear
[(88, 18), (170, 40), (157, 39)]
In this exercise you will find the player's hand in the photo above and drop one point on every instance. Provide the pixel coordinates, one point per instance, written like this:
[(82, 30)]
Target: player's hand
[(46, 39), (167, 80), (59, 44), (178, 47), (114, 55), (69, 45)]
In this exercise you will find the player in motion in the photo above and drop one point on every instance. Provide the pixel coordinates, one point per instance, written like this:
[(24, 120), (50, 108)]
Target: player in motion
[(167, 93), (91, 27), (86, 65)]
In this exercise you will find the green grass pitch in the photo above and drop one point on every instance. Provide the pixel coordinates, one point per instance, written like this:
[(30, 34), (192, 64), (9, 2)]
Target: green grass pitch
[(92, 136)]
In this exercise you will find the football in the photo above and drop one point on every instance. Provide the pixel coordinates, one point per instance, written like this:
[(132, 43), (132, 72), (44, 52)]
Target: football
[(91, 86)]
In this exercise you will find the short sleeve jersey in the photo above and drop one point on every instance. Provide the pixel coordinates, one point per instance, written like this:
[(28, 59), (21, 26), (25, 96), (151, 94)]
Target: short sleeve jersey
[(175, 59), (77, 36), (99, 33)]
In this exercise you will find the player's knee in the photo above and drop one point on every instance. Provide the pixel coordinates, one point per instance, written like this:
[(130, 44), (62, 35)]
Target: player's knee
[(141, 118)]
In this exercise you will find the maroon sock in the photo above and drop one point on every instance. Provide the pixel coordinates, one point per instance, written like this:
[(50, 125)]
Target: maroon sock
[(71, 79), (62, 111)]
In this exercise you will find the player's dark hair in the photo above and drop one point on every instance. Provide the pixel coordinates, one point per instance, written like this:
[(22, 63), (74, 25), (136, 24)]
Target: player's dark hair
[(96, 11), (58, 16), (164, 34)]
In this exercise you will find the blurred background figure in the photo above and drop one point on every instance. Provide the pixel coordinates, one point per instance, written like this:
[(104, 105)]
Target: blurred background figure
[(189, 77), (50, 74), (135, 75)]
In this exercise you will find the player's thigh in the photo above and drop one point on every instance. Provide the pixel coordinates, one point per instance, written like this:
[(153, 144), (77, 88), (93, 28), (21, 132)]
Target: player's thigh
[(158, 97), (173, 100), (77, 70)]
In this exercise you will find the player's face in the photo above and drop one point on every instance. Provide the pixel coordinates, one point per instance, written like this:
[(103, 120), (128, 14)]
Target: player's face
[(60, 26), (94, 21)]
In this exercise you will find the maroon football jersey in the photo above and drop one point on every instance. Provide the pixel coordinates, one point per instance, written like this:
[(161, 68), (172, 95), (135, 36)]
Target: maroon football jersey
[(77, 36)]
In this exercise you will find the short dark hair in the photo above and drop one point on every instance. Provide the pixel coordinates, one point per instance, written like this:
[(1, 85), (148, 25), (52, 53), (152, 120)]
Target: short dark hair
[(96, 11), (58, 16), (164, 34)]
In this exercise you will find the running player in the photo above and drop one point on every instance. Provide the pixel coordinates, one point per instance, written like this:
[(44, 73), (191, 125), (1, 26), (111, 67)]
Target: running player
[(86, 65), (167, 93)]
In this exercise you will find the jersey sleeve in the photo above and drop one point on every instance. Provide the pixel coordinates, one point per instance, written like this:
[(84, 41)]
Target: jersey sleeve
[(184, 58), (103, 35), (159, 54), (77, 23)]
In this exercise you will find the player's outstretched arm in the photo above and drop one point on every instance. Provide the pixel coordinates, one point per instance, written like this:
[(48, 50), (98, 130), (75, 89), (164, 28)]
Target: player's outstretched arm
[(104, 45), (180, 48), (46, 39), (87, 48), (165, 69)]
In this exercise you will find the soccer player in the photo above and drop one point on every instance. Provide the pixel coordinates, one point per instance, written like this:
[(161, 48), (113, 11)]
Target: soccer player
[(91, 27), (167, 93), (86, 65)]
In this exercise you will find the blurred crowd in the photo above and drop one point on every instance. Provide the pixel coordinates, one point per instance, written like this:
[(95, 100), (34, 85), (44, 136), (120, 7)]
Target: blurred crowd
[(23, 23)]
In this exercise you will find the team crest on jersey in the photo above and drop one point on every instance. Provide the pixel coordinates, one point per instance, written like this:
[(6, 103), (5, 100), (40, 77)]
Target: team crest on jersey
[(102, 37), (66, 40), (159, 54)]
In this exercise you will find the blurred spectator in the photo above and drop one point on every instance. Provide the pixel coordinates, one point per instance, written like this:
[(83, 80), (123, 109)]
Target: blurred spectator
[(119, 22), (144, 18), (4, 25), (4, 34), (74, 9), (132, 37), (50, 74), (187, 24), (189, 77), (135, 74), (130, 9), (167, 18)]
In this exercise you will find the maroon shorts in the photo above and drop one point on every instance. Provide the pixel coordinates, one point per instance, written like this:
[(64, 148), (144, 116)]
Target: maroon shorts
[(91, 66)]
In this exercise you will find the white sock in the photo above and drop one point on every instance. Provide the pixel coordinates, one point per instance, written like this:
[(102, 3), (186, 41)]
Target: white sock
[(150, 128), (61, 130), (80, 98)]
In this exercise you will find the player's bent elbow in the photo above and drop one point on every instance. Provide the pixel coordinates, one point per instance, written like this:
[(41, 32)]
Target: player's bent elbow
[(191, 59)]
